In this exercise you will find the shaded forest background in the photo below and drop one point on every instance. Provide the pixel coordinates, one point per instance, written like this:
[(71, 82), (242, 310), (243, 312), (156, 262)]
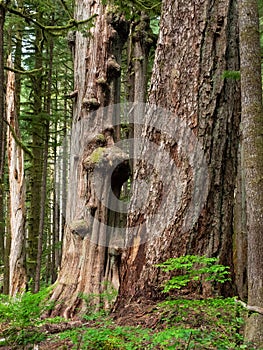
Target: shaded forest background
[(51, 53)]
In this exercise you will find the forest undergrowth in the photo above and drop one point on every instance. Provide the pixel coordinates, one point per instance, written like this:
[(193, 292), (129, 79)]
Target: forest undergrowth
[(182, 322)]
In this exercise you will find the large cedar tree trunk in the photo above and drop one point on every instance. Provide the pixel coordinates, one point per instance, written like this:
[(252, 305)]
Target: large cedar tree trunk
[(197, 44), (89, 257), (252, 142)]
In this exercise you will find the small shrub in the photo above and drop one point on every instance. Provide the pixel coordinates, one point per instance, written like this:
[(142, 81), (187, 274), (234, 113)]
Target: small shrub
[(193, 268), (22, 316), (218, 322)]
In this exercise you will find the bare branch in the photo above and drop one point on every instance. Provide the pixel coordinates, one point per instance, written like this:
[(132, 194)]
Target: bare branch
[(253, 308)]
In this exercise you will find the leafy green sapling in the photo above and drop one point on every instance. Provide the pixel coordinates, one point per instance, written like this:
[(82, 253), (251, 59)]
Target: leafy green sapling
[(193, 268)]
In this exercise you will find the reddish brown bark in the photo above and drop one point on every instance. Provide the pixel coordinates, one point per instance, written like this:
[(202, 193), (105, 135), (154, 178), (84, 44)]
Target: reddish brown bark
[(197, 44)]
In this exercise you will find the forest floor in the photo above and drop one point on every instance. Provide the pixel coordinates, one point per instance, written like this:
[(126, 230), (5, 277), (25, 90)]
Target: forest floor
[(135, 315), (174, 324)]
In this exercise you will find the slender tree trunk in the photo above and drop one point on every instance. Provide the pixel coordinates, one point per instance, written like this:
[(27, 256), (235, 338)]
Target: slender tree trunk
[(252, 143), (2, 134), (17, 280), (45, 170), (7, 254), (196, 45), (56, 214), (63, 172), (240, 230), (17, 64), (56, 205), (42, 212), (87, 261), (64, 176), (36, 168), (142, 42)]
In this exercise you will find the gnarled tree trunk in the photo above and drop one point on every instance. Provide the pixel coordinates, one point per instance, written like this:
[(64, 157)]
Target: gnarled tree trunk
[(89, 257)]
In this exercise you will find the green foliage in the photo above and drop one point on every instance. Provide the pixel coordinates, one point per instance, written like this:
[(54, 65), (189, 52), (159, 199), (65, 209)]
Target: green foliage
[(231, 74), (154, 24), (173, 338), (22, 314), (214, 323), (109, 337), (183, 324), (132, 8), (193, 268), (104, 334), (97, 310)]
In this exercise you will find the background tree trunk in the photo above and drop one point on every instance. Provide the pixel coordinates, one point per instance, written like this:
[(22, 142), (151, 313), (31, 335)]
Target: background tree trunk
[(48, 109), (36, 169), (240, 230), (87, 262), (2, 133), (252, 142), (17, 279), (196, 45)]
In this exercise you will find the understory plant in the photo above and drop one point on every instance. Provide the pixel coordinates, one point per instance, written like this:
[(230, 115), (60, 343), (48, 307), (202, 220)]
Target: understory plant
[(213, 323), (20, 317), (193, 268)]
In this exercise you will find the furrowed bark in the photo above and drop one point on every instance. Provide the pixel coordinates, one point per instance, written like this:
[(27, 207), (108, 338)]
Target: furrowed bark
[(196, 45)]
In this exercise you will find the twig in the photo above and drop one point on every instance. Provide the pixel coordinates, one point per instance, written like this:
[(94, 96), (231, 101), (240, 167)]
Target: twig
[(189, 341), (65, 8), (253, 308)]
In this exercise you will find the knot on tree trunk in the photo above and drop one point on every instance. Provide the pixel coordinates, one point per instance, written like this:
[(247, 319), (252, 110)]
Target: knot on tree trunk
[(113, 68), (108, 158), (91, 103), (79, 227)]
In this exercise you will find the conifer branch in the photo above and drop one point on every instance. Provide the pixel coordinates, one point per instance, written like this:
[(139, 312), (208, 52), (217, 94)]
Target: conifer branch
[(141, 4), (15, 70), (51, 29), (66, 8), (18, 141)]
